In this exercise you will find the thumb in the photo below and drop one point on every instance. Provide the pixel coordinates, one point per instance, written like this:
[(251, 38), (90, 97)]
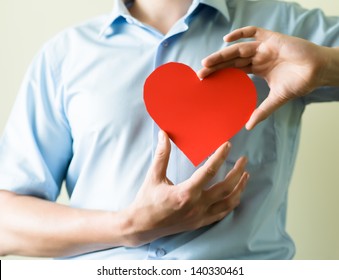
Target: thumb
[(266, 108), (161, 157)]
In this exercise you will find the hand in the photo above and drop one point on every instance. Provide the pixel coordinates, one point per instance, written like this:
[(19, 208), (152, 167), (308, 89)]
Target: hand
[(292, 67), (162, 208)]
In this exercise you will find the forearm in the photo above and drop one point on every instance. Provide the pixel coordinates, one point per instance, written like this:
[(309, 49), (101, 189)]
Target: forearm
[(34, 227)]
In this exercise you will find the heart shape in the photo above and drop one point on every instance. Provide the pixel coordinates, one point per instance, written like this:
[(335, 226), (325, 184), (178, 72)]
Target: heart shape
[(199, 115)]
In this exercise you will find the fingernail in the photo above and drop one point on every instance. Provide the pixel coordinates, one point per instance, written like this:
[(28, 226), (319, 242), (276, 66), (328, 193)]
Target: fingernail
[(161, 137), (248, 125), (228, 147), (247, 176)]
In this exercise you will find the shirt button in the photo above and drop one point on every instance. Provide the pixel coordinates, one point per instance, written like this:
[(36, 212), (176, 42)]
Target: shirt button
[(160, 252), (165, 44)]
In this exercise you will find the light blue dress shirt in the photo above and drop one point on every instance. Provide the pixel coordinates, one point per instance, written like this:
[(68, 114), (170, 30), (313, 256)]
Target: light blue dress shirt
[(80, 117)]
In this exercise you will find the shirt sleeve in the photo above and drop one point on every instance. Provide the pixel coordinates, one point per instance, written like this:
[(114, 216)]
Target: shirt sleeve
[(36, 146), (315, 26)]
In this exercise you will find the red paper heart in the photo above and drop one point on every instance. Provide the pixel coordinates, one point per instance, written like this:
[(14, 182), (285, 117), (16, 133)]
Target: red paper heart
[(199, 115)]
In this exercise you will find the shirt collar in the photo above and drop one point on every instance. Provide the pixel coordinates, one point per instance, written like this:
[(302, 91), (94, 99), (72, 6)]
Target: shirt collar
[(220, 6), (121, 11)]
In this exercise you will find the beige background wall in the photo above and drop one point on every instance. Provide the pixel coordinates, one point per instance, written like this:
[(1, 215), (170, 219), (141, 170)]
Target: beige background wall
[(313, 209)]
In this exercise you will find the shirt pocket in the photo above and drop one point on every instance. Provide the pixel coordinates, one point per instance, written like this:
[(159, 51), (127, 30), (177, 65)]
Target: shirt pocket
[(258, 144)]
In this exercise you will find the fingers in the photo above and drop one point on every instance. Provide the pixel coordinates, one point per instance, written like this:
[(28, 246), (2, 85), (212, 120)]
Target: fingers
[(257, 116), (205, 173), (240, 50), (266, 108), (227, 204), (240, 33), (238, 55), (161, 158), (240, 63), (232, 179), (248, 32)]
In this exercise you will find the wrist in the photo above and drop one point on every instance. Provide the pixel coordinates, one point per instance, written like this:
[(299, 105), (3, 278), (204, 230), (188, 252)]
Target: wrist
[(329, 70), (129, 228)]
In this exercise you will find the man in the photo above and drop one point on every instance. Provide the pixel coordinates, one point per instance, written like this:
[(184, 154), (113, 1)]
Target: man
[(80, 117)]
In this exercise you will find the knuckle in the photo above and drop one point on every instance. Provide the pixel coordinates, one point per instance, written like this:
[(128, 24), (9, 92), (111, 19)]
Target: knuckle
[(245, 51), (220, 56), (189, 203), (226, 188), (184, 199), (161, 153), (211, 171), (227, 192), (244, 62), (195, 212)]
